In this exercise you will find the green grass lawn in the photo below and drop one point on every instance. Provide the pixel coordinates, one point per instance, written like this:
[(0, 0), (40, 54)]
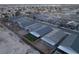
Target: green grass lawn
[(31, 37)]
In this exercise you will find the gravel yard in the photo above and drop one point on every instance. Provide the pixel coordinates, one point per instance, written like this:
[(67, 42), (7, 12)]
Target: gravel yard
[(10, 43)]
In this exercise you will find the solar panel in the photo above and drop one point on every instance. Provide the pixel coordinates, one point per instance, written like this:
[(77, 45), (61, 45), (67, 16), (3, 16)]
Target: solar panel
[(24, 21), (54, 37), (34, 26), (44, 30), (67, 45), (75, 45)]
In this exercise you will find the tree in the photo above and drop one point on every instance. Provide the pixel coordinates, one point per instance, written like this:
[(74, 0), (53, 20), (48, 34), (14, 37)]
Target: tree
[(17, 13), (6, 17), (77, 12)]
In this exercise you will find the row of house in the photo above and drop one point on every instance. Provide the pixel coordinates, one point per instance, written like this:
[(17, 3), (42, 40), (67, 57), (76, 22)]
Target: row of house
[(49, 35)]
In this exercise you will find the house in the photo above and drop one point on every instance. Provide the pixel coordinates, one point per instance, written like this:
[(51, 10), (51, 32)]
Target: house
[(34, 35), (22, 21), (70, 44), (34, 26), (41, 31), (53, 37)]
